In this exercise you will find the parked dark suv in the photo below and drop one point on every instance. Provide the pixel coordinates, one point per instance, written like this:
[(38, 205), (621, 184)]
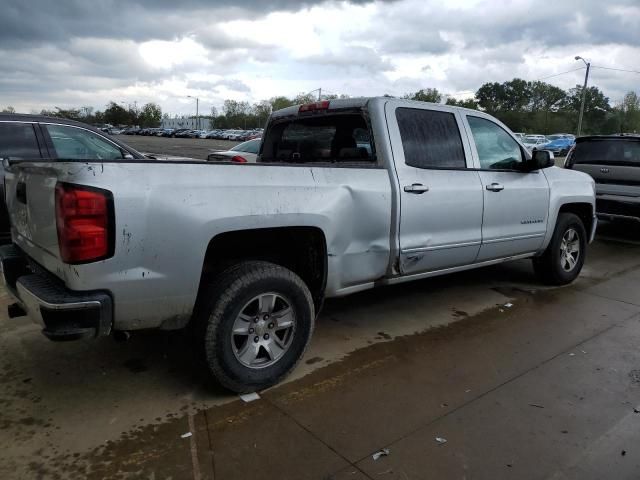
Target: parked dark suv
[(614, 163), (35, 137)]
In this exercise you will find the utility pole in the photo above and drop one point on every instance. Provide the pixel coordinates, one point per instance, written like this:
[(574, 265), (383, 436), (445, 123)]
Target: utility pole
[(319, 90), (197, 113), (584, 94)]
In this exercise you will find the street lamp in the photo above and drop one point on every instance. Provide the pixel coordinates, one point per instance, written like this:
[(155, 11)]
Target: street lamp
[(584, 93), (197, 115)]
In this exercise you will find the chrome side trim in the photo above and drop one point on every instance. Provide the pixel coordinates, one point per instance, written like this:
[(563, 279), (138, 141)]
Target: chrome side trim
[(434, 273), (510, 239), (440, 247), (418, 276)]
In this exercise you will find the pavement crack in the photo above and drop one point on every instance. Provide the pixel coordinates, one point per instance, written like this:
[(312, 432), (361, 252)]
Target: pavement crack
[(310, 432), (210, 443), (611, 299)]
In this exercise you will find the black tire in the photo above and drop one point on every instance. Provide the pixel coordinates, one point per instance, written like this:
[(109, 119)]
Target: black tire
[(549, 266), (221, 304)]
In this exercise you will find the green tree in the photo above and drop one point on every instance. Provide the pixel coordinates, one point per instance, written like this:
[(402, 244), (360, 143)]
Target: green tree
[(629, 113), (261, 111), (71, 113), (517, 95), (467, 103), (596, 108), (8, 109), (278, 103), (545, 97), (425, 95), (116, 115), (490, 97), (150, 115)]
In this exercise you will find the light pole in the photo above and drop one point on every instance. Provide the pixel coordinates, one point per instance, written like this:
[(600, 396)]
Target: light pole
[(319, 90), (584, 93), (197, 115)]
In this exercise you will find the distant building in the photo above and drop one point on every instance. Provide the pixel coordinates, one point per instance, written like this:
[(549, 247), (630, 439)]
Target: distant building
[(186, 122)]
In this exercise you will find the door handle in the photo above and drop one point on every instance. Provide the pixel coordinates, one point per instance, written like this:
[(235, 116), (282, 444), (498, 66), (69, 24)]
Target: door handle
[(495, 187), (417, 188)]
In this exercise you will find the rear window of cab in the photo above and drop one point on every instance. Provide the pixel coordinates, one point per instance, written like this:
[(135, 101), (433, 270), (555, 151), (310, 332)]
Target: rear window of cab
[(324, 138), (608, 151)]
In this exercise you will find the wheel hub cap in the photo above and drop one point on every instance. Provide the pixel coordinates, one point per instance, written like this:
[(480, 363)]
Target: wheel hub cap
[(569, 250), (263, 330)]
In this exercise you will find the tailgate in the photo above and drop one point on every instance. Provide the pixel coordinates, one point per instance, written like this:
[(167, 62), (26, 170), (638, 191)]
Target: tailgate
[(30, 196), (613, 179)]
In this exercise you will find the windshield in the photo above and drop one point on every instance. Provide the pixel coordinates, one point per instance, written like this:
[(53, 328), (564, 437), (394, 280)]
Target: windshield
[(252, 146), (615, 152)]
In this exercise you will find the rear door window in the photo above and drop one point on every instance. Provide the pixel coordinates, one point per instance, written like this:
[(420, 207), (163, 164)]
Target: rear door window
[(79, 144), (319, 139), (611, 152), (430, 138), (18, 141)]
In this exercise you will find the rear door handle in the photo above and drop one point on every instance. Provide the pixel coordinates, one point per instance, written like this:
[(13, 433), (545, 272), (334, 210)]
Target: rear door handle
[(495, 187), (21, 192), (417, 188)]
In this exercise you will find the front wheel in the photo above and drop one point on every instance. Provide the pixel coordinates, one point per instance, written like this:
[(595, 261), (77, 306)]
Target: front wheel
[(255, 322), (563, 259)]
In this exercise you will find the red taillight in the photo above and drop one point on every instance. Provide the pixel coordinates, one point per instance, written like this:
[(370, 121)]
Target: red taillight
[(238, 159), (84, 221), (312, 107)]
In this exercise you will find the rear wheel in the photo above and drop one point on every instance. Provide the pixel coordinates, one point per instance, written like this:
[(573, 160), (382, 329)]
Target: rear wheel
[(255, 322), (563, 259)]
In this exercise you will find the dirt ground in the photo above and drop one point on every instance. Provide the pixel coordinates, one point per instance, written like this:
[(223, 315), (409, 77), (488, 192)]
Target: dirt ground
[(521, 381)]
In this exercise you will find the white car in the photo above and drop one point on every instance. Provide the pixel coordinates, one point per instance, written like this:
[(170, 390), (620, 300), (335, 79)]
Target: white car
[(534, 141), (245, 152)]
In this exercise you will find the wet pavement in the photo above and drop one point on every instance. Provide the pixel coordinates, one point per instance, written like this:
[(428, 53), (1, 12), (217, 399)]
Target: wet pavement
[(521, 380)]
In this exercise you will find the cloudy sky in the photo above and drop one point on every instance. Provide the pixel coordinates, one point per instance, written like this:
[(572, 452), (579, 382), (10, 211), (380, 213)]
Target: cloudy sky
[(71, 53)]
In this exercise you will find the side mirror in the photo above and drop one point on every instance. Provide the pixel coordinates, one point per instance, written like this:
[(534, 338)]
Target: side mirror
[(539, 159)]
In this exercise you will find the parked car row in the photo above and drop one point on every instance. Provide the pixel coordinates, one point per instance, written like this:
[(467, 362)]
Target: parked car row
[(558, 143), (218, 134)]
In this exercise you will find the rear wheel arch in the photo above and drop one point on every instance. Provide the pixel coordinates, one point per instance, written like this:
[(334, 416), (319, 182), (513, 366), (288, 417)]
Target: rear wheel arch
[(301, 249)]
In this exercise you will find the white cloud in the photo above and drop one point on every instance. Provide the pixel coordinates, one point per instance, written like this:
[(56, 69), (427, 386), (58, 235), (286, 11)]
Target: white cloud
[(169, 54), (72, 55)]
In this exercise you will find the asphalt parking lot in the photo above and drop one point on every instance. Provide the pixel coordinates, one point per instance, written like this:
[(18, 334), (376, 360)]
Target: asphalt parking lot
[(184, 147), (521, 381)]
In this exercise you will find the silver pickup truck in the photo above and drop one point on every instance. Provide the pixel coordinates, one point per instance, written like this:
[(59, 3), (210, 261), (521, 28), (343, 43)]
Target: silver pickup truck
[(346, 195)]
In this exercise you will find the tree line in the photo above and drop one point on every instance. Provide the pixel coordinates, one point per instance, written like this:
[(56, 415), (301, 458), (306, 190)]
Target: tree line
[(150, 115), (539, 107), (525, 106)]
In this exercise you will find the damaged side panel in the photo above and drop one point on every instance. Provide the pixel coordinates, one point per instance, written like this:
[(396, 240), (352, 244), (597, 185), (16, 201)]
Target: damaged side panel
[(166, 214)]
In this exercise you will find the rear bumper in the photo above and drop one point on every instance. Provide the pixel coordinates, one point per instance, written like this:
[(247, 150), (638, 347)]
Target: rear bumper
[(63, 314)]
